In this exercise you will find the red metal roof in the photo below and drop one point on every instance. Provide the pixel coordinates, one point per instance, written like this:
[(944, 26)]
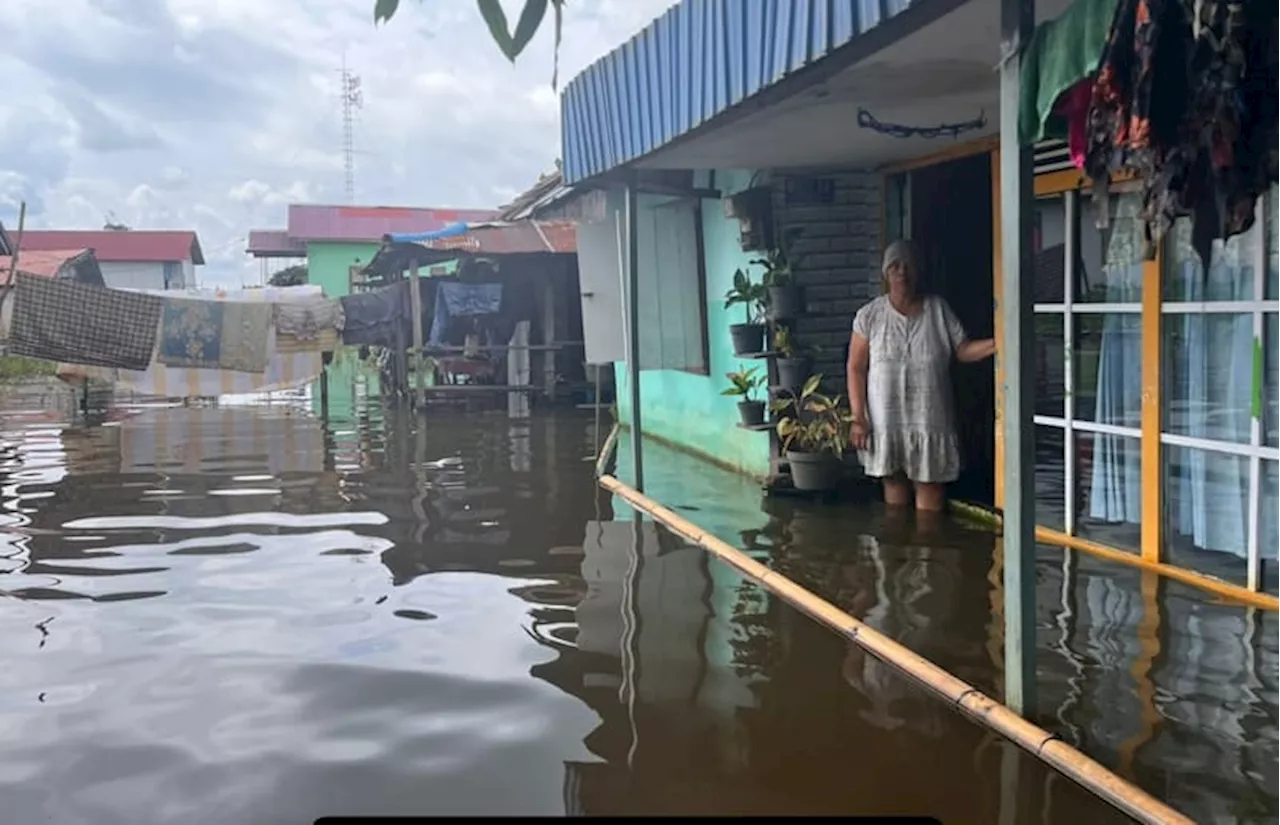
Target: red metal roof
[(308, 222), (124, 245), (45, 263), (275, 243), (513, 238)]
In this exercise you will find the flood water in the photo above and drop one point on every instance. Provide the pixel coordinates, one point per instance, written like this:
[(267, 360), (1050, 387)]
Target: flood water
[(245, 614)]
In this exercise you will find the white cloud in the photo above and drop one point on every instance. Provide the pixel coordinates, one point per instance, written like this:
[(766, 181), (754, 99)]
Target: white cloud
[(214, 116)]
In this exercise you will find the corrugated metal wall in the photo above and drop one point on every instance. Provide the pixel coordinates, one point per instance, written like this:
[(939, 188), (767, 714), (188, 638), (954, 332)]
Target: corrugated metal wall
[(691, 64)]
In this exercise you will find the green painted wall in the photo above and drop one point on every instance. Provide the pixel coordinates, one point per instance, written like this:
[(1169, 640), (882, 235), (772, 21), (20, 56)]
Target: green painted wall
[(329, 264), (687, 409), (329, 267)]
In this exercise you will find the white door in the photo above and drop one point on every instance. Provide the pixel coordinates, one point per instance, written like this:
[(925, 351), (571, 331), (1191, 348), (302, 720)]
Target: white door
[(600, 281)]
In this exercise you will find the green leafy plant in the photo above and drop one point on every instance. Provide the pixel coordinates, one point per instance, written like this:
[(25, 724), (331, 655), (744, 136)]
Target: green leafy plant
[(744, 383), (511, 43), (751, 295), (782, 343), (813, 422), (779, 263)]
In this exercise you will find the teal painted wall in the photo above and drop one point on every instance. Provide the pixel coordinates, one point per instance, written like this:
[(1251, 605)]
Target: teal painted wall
[(329, 264), (329, 267), (687, 409)]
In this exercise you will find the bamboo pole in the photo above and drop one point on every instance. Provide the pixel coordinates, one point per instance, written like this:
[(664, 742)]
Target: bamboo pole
[(971, 702)]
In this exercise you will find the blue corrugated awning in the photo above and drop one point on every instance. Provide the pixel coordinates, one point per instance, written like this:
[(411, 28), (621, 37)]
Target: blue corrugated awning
[(693, 63)]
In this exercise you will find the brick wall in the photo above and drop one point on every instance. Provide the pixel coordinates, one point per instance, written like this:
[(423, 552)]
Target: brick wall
[(840, 268)]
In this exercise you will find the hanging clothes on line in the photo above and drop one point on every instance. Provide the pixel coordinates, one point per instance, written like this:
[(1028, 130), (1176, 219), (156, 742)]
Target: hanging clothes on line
[(311, 325), (222, 335), (79, 324), (372, 318), (1185, 97), (456, 299)]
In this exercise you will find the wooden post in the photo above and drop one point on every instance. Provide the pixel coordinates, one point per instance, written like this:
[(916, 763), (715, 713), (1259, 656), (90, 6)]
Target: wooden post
[(325, 360), (415, 304), (1017, 202), (548, 285), (633, 334)]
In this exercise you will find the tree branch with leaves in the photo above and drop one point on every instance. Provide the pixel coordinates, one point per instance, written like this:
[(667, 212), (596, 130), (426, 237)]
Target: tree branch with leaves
[(510, 43)]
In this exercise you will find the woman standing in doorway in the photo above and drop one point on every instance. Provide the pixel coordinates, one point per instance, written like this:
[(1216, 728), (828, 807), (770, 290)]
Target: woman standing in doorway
[(899, 375)]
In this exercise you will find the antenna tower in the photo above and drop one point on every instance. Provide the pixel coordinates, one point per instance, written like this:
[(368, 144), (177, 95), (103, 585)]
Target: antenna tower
[(352, 100)]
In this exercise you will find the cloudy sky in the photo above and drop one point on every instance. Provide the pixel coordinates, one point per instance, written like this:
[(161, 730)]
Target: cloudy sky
[(215, 114)]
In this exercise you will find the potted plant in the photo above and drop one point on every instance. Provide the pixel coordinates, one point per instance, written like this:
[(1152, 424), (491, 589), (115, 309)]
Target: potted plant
[(814, 431), (743, 384), (793, 368), (748, 338), (785, 298)]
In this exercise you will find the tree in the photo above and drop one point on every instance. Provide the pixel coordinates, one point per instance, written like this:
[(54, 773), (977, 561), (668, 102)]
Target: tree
[(295, 275), (511, 43)]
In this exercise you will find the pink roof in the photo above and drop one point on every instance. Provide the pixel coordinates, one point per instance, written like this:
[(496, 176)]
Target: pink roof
[(123, 245), (367, 224), (275, 243), (45, 263)]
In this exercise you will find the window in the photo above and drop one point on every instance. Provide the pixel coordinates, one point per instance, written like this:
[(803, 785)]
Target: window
[(1088, 318), (1218, 403)]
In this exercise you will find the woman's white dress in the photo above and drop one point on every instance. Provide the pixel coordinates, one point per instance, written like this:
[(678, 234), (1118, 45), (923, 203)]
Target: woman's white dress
[(909, 396)]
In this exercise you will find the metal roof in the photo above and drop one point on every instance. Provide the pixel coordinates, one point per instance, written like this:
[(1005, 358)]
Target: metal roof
[(401, 251), (367, 224), (274, 243), (63, 264), (118, 245), (696, 61)]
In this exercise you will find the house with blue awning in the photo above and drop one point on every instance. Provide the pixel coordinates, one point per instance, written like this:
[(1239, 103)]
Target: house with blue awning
[(1132, 409)]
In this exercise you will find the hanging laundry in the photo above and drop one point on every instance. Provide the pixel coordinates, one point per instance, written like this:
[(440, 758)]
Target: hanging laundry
[(373, 317), (308, 326), (1058, 66), (79, 324), (470, 299), (1073, 108), (226, 335), (1185, 97)]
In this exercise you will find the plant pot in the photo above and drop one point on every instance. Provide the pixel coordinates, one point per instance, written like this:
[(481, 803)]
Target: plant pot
[(814, 471), (752, 413), (793, 372), (785, 302), (748, 339)]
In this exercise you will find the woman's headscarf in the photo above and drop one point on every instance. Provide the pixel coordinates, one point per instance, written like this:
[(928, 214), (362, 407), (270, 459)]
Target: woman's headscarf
[(901, 251)]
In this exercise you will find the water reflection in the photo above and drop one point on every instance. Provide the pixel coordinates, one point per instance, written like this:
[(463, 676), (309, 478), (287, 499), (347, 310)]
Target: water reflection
[(253, 614)]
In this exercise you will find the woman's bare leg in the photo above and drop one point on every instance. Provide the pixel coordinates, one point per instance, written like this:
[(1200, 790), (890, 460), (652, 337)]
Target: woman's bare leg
[(897, 491), (931, 497)]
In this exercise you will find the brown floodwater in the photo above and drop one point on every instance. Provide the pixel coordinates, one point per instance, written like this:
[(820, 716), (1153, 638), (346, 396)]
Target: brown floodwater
[(244, 614)]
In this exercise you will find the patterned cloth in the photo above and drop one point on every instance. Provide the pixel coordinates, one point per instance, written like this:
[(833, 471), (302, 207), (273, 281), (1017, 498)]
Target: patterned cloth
[(228, 335), (307, 326), (1185, 97), (909, 390), (79, 324)]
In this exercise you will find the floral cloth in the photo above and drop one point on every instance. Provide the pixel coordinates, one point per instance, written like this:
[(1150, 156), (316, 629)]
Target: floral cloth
[(228, 335)]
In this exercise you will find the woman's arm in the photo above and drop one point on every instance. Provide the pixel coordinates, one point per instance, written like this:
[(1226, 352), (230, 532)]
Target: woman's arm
[(970, 351), (856, 372)]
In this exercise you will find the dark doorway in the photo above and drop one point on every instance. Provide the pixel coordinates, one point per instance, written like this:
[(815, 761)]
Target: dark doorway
[(951, 213)]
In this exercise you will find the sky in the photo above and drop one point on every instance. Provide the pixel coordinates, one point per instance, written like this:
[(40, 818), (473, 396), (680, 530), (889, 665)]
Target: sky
[(213, 115)]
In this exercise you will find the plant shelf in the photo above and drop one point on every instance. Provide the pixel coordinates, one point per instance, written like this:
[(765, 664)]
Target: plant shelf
[(759, 356), (756, 428)]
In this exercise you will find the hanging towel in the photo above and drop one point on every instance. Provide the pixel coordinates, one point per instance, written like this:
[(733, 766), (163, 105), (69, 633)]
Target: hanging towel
[(79, 324), (308, 326), (227, 335), (1062, 52), (470, 299), (372, 317)]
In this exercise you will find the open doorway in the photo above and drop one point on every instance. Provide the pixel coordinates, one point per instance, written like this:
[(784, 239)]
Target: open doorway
[(950, 216)]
